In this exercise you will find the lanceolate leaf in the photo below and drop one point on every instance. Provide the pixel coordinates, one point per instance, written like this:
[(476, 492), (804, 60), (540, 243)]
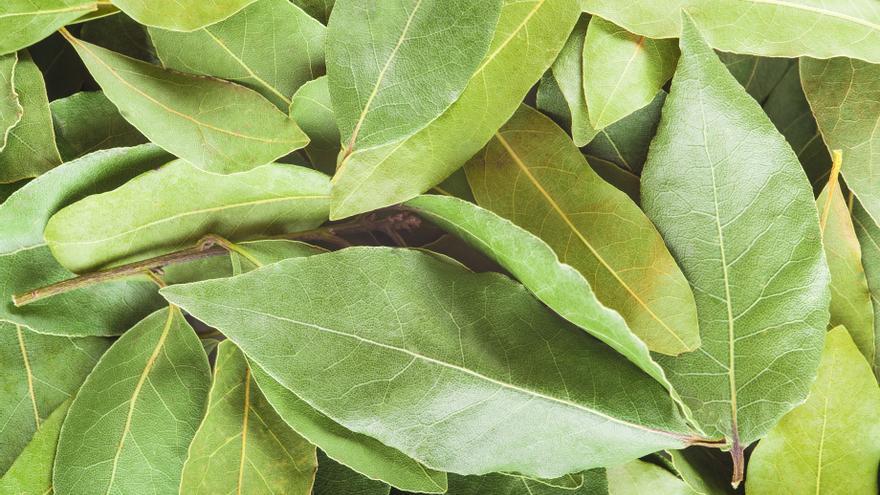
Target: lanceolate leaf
[(528, 36), (850, 297), (442, 391), (594, 483), (30, 145), (37, 374), (26, 263), (737, 212), (25, 22), (363, 454), (313, 112), (623, 71), (534, 263), (130, 424), (335, 479), (845, 97), (869, 238), (135, 222), (644, 477), (271, 46), (773, 28), (180, 15), (10, 106), (87, 122), (533, 175), (704, 470), (242, 446), (214, 124), (31, 474), (759, 76), (830, 443), (568, 73)]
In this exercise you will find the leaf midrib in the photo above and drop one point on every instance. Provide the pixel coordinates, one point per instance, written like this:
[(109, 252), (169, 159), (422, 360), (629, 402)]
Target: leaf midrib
[(247, 68), (30, 375)]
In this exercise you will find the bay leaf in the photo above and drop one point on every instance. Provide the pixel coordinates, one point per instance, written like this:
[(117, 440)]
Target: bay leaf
[(640, 477), (593, 483), (851, 305), (242, 445), (704, 470), (844, 95), (30, 145), (732, 203), (868, 234), (214, 124), (37, 374), (448, 335), (26, 262), (180, 15), (63, 71), (359, 453), (87, 121), (25, 22), (528, 36), (759, 76), (10, 106), (568, 72), (533, 175), (121, 34), (622, 71), (312, 110), (831, 442), (31, 473), (336, 479), (133, 222), (772, 28), (319, 9), (146, 397), (283, 53)]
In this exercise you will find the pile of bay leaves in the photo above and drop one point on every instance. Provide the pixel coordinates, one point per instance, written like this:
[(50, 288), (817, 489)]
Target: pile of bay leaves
[(502, 247)]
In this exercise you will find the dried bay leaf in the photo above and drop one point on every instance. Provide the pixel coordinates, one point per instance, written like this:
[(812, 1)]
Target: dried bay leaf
[(640, 477), (147, 395), (758, 75), (180, 15), (319, 9), (87, 122), (868, 234), (532, 174), (568, 74), (312, 110), (10, 105), (31, 473), (593, 483), (25, 22)]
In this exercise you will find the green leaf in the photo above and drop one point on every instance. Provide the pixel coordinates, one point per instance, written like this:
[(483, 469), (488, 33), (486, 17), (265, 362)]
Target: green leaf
[(130, 424), (25, 22), (180, 15), (361, 453), (532, 174), (528, 36), (475, 336), (758, 75), (319, 9), (175, 206), (214, 124), (313, 112), (734, 207), (277, 57), (843, 96), (594, 483), (242, 446), (868, 234), (639, 477), (37, 374), (31, 474), (623, 71), (63, 71), (850, 297), (121, 34), (568, 74), (26, 262), (772, 28), (10, 106), (87, 122), (336, 479), (830, 443), (30, 145), (559, 286), (703, 470), (392, 75)]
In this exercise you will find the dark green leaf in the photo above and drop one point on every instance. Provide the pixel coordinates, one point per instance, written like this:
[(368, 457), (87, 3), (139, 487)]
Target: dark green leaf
[(313, 112), (87, 122), (335, 479), (31, 474)]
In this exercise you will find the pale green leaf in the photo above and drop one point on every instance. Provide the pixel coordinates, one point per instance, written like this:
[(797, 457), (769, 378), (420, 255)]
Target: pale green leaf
[(453, 367), (456, 185), (25, 22), (532, 174), (131, 423), (773, 28), (214, 124), (242, 446), (37, 374), (361, 453), (622, 71), (313, 112), (180, 15), (10, 105), (568, 74), (734, 207), (703, 470), (31, 474), (644, 478), (528, 36), (830, 443), (30, 145), (593, 483), (271, 46), (850, 297), (103, 10), (336, 479), (319, 9), (869, 238), (87, 122), (175, 206), (758, 75), (844, 95), (26, 262)]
